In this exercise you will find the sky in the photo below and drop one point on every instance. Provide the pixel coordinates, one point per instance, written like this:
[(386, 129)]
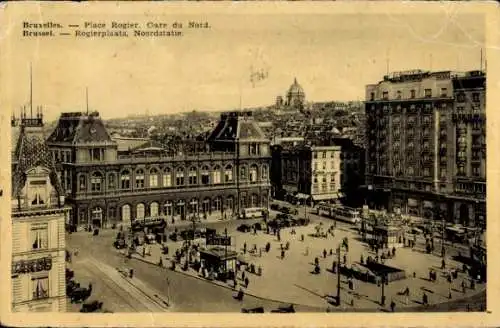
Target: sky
[(332, 56)]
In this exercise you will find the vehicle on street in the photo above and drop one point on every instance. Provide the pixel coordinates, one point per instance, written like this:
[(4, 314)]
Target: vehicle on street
[(91, 307), (120, 244), (339, 212), (252, 213), (148, 222), (244, 228)]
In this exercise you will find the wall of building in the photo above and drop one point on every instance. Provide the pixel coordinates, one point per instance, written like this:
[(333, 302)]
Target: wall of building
[(416, 144), (23, 238)]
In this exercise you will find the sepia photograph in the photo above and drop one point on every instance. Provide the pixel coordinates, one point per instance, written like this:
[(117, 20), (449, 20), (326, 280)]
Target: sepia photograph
[(179, 160)]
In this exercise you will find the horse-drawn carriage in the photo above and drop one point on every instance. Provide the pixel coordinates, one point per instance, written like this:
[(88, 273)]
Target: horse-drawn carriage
[(91, 307), (78, 294), (284, 309), (258, 309)]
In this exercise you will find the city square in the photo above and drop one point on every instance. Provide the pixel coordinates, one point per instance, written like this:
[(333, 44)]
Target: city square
[(277, 285)]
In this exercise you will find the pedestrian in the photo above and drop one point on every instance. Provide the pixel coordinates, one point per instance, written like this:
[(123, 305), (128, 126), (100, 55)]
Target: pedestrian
[(334, 267), (345, 259), (414, 274), (246, 282), (361, 260), (425, 299), (393, 305), (245, 248), (316, 261), (282, 254), (393, 251), (463, 287), (331, 252), (302, 237), (324, 253), (443, 264)]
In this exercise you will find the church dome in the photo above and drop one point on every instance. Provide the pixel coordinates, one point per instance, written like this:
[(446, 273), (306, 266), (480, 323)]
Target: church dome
[(296, 89)]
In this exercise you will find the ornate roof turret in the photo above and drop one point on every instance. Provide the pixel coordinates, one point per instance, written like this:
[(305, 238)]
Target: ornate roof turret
[(237, 127), (77, 128), (31, 152)]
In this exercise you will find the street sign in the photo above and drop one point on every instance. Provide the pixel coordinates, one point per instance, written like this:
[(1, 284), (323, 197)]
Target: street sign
[(218, 240)]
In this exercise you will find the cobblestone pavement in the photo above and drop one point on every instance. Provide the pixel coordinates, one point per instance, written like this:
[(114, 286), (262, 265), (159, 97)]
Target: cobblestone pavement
[(287, 280), (290, 279)]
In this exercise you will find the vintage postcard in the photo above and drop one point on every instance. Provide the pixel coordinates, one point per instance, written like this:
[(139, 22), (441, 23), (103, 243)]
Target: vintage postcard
[(240, 164)]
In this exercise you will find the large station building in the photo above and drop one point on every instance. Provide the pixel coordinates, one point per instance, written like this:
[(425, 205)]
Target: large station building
[(107, 182), (426, 152)]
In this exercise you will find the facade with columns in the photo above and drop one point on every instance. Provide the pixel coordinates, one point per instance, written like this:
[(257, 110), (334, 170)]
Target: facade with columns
[(218, 177), (426, 151)]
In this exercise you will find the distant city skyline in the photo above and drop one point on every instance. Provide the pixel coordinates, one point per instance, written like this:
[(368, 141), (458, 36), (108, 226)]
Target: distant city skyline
[(333, 57)]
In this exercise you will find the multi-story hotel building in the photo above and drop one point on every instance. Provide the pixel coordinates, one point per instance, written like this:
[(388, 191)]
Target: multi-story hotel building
[(306, 171), (38, 216), (426, 151), (107, 183)]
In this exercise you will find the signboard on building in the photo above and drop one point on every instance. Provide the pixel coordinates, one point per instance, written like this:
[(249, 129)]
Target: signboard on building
[(218, 240), (36, 265)]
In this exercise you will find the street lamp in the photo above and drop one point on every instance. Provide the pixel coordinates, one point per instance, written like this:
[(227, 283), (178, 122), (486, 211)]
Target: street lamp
[(383, 281), (338, 275)]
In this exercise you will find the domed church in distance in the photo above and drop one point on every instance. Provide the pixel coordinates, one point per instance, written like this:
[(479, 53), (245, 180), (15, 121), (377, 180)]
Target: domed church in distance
[(295, 97)]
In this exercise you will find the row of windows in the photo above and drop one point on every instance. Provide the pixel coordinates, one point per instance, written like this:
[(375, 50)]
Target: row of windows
[(411, 95), (461, 97), (175, 208), (167, 178), (323, 154)]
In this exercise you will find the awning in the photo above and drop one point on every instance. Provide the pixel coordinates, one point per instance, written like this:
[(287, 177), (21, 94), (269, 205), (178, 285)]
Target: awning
[(302, 196), (324, 197)]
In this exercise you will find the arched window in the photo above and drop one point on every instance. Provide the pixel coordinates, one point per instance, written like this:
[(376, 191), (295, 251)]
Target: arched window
[(153, 178), (179, 176), (180, 209), (216, 175), (111, 181), (206, 205), (96, 182), (82, 182), (230, 203), (193, 175), (228, 174), (167, 177), (126, 213), (140, 211), (205, 175), (96, 215), (139, 178), (153, 209), (218, 204), (254, 200), (265, 172), (264, 200), (193, 207), (125, 180), (168, 208), (253, 173), (243, 172)]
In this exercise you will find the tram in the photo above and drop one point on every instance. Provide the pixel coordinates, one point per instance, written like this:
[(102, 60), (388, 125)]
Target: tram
[(339, 212)]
